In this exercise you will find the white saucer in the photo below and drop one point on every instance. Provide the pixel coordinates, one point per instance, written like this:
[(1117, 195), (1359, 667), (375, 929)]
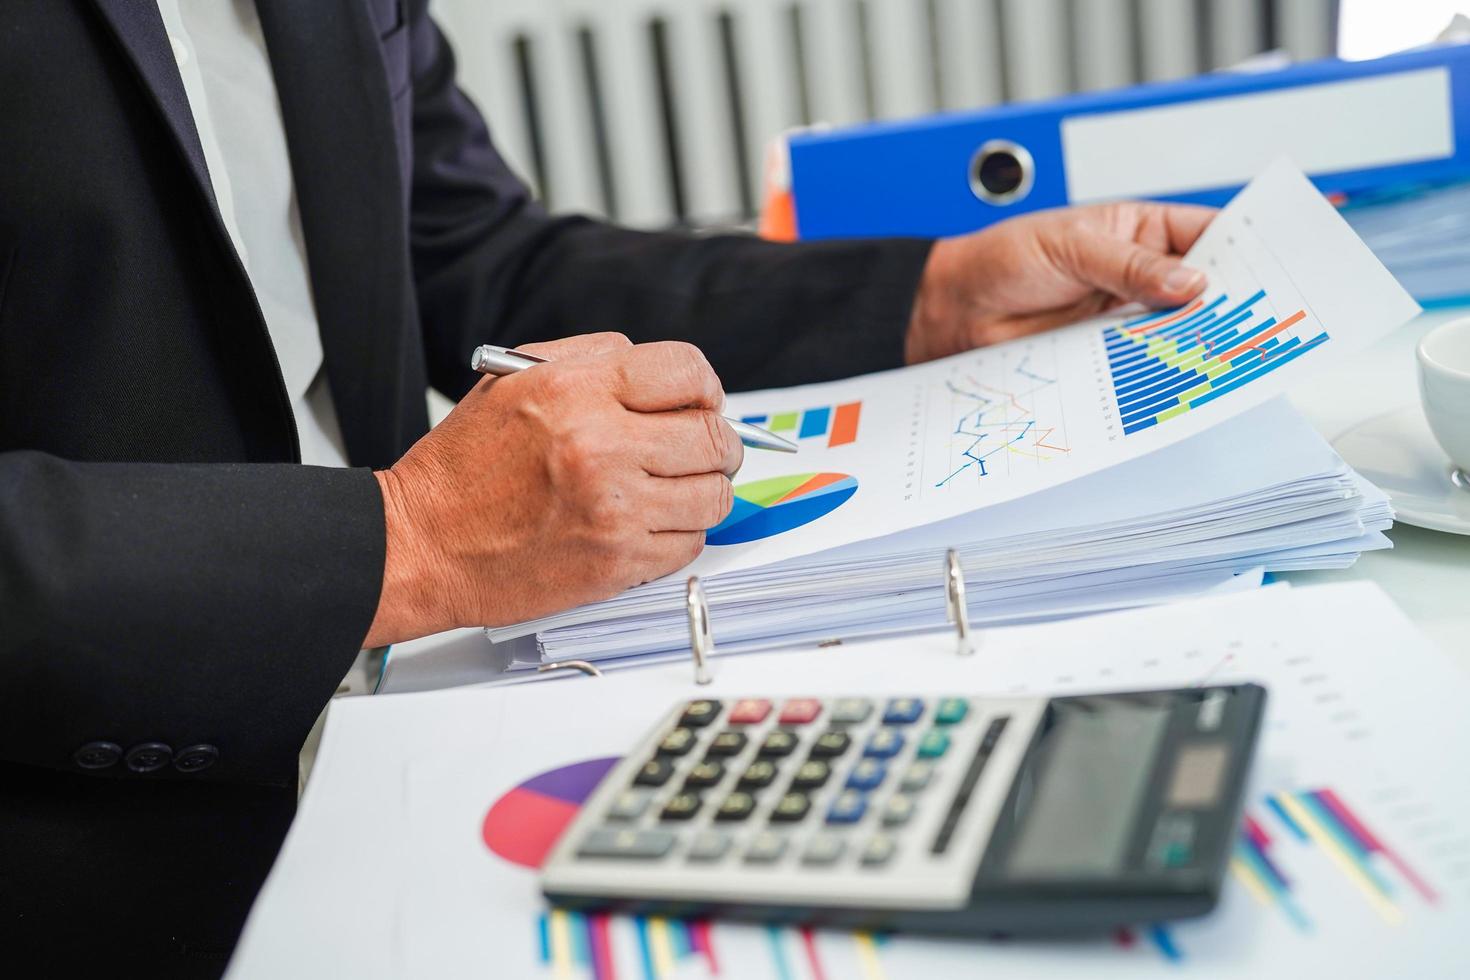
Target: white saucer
[(1398, 454)]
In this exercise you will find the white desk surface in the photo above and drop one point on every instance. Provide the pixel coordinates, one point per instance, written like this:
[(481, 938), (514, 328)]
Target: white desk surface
[(1427, 573)]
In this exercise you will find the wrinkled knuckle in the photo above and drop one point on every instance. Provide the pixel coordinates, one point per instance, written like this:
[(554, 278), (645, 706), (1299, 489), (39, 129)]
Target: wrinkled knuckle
[(714, 442), (726, 500), (614, 339)]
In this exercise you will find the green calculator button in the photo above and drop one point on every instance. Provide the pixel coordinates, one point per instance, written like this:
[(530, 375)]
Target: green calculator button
[(934, 744), (951, 711)]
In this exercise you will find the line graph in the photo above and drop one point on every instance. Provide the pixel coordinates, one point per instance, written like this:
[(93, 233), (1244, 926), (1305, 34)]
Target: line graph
[(1000, 411)]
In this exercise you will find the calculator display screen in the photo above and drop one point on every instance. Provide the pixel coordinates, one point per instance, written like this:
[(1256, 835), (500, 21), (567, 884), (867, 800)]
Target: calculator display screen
[(1083, 785)]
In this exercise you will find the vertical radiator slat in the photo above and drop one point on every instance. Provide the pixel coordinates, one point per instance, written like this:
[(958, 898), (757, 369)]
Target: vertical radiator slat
[(1104, 35), (835, 63), (707, 146), (1168, 29), (1235, 31), (1038, 63), (902, 58), (1305, 27), (970, 53)]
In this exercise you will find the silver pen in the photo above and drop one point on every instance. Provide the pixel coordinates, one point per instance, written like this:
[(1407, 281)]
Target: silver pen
[(500, 361)]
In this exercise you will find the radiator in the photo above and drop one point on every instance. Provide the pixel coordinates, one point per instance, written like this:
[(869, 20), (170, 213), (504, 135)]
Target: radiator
[(656, 113)]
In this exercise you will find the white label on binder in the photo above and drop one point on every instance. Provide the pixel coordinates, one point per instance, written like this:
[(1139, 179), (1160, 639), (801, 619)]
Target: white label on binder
[(1213, 143)]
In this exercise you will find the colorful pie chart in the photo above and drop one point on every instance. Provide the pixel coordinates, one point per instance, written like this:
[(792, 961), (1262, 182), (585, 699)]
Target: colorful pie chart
[(768, 507), (524, 824)]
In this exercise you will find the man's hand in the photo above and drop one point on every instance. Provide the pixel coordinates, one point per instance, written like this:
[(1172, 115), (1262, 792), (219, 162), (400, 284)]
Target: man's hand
[(560, 485), (1042, 270)]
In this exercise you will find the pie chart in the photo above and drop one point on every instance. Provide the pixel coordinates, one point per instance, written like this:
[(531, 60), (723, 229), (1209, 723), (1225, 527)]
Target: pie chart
[(768, 507), (524, 824)]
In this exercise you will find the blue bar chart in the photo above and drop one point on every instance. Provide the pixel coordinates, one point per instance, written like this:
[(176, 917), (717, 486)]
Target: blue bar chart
[(1168, 362)]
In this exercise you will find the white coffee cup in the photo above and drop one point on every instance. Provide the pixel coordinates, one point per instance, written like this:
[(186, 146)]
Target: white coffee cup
[(1444, 385)]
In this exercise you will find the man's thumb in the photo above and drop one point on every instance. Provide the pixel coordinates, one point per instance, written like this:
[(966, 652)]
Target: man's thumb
[(1135, 273)]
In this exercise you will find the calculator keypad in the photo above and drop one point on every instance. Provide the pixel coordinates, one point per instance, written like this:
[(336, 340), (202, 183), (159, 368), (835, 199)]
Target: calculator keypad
[(838, 790)]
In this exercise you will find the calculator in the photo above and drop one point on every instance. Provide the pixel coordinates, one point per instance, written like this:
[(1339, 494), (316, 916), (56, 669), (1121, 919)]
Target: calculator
[(943, 815)]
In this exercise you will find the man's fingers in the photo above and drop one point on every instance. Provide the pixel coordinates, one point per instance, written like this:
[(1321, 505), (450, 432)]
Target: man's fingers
[(1184, 223), (582, 345), (666, 375), (689, 503), (685, 442), (1131, 271)]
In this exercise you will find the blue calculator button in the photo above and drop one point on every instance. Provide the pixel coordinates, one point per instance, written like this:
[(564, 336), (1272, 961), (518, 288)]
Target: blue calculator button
[(885, 743), (849, 807), (903, 711), (866, 775)]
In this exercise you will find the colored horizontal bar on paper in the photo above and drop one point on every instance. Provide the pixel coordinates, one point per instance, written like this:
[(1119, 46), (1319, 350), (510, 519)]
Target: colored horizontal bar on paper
[(845, 425), (814, 422), (754, 419), (1350, 820), (1288, 354), (1175, 317), (784, 422), (1246, 344)]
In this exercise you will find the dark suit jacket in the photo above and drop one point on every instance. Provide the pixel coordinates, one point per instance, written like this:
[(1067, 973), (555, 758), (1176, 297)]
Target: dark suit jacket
[(169, 572)]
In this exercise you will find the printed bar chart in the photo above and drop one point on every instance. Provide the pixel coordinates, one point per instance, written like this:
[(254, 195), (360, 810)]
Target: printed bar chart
[(1170, 361), (838, 423), (1319, 820)]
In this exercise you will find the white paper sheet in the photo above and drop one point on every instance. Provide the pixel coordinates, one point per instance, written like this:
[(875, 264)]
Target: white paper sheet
[(386, 872), (943, 439)]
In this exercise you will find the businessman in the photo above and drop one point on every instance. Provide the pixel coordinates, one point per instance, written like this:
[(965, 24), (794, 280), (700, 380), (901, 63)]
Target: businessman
[(238, 240)]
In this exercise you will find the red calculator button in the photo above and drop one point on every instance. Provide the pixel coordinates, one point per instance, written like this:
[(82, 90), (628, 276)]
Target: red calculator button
[(749, 711), (799, 711)]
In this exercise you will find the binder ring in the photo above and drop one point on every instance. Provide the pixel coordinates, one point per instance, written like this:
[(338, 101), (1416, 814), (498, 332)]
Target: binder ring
[(954, 603), (1001, 172), (701, 642)]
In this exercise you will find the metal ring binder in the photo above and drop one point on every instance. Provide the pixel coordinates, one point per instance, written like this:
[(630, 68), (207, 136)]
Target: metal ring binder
[(582, 665), (954, 603), (701, 643)]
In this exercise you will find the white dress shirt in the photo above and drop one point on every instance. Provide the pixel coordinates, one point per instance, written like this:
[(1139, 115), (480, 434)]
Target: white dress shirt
[(226, 71)]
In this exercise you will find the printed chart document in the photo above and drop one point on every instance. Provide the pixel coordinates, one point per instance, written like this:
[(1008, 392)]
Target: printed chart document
[(416, 849), (1290, 288)]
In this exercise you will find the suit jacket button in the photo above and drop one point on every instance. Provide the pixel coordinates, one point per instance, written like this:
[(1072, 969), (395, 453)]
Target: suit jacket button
[(97, 755), (148, 756), (196, 758)]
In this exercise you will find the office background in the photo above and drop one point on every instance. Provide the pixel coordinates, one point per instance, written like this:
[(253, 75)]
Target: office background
[(657, 112)]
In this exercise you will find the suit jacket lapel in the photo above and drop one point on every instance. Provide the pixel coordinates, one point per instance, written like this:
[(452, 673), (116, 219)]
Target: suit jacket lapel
[(139, 29), (339, 130)]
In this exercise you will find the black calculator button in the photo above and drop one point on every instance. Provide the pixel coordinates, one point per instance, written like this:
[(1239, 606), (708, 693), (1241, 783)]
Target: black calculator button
[(849, 807), (778, 743), (709, 845), (766, 848), (885, 743), (916, 777), (823, 850), (829, 745), (898, 811), (903, 711), (677, 742), (629, 805), (737, 806), (878, 850), (699, 713), (606, 842), (813, 773), (704, 775), (681, 806), (759, 773), (791, 808), (866, 775), (727, 744), (655, 772), (851, 711)]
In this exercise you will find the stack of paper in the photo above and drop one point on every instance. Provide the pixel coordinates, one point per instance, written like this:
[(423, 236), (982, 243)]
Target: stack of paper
[(1123, 461)]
